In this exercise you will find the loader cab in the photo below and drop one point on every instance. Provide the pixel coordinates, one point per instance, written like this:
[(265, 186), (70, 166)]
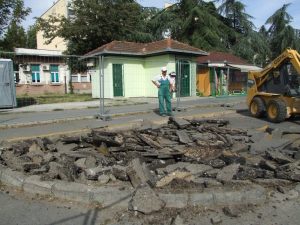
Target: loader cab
[(293, 80), (283, 80)]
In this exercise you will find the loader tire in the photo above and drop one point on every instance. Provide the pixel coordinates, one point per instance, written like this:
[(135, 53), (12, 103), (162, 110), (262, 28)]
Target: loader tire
[(276, 111), (257, 107)]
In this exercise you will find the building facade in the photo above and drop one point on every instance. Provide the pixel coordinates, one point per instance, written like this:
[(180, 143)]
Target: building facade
[(129, 67), (59, 8), (222, 74), (39, 72)]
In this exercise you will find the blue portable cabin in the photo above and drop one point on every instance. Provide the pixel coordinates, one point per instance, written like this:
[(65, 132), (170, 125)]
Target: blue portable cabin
[(7, 85)]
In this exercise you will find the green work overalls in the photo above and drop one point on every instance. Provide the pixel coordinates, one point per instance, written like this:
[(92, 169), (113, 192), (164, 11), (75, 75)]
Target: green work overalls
[(164, 95)]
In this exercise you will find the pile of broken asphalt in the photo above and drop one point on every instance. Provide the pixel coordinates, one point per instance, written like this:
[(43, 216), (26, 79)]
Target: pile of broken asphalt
[(176, 165)]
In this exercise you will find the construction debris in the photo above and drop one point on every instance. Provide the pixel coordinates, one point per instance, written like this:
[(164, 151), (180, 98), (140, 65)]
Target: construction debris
[(198, 152)]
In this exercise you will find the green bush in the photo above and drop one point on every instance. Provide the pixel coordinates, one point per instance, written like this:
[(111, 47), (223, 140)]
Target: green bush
[(25, 101), (52, 98)]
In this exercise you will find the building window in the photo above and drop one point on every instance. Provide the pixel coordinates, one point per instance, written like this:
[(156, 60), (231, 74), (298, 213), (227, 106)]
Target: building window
[(75, 78), (84, 78), (54, 77), (17, 77), (54, 73), (35, 74)]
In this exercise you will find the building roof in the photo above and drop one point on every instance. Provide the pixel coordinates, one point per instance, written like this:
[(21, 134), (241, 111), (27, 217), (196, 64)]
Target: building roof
[(145, 49), (221, 57), (39, 52), (55, 2)]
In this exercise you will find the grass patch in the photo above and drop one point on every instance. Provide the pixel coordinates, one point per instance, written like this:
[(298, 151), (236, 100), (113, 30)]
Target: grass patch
[(52, 98)]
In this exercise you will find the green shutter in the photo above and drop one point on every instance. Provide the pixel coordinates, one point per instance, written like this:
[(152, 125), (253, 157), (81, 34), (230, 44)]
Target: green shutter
[(54, 68), (212, 81), (35, 67)]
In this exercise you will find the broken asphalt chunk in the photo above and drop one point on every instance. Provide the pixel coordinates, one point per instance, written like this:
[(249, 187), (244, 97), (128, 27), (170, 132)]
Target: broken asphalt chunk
[(228, 173), (145, 200), (278, 157), (180, 123), (139, 173), (183, 137)]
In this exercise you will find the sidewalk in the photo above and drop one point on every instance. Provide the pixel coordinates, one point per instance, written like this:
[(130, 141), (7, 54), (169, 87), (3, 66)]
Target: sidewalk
[(94, 104)]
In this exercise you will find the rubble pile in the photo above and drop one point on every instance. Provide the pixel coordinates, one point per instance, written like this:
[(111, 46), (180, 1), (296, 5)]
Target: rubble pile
[(179, 154)]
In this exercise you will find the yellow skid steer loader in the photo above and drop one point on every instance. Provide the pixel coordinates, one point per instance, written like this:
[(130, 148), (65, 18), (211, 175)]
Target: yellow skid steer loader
[(274, 91)]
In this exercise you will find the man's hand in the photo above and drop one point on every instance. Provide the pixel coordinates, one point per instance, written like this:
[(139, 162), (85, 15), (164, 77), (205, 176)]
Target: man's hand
[(156, 84)]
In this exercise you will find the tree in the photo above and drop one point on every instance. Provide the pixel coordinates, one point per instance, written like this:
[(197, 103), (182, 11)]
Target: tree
[(235, 13), (31, 37), (253, 47), (194, 22), (97, 22), (12, 11), (15, 37), (280, 33)]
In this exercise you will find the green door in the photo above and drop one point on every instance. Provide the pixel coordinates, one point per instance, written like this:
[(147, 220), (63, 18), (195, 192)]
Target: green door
[(118, 79), (183, 73)]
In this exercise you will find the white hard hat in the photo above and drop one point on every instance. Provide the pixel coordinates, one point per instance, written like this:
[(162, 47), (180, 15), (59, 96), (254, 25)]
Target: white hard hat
[(164, 68), (173, 74)]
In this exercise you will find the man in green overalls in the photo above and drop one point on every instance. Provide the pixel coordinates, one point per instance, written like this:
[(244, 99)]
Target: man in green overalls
[(164, 84)]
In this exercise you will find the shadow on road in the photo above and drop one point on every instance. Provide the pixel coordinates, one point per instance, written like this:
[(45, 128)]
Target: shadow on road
[(90, 217), (245, 112)]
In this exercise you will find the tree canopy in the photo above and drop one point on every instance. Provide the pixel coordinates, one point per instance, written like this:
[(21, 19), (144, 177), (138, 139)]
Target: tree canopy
[(12, 34), (281, 34), (12, 11), (97, 22), (200, 23)]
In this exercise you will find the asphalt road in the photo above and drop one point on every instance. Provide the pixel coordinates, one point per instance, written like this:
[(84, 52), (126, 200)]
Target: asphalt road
[(244, 120), (19, 208), (239, 120), (66, 127), (59, 112)]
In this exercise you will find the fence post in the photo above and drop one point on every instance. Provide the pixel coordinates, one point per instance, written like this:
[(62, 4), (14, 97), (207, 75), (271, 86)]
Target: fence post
[(102, 115), (65, 82)]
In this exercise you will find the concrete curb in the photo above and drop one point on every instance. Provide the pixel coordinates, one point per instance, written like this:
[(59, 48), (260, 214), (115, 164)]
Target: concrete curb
[(37, 123), (106, 195), (119, 196)]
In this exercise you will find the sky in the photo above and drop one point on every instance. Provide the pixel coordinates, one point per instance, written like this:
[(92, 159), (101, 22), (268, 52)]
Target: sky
[(259, 9)]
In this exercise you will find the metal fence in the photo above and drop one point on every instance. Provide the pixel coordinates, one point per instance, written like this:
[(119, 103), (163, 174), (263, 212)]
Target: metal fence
[(130, 77)]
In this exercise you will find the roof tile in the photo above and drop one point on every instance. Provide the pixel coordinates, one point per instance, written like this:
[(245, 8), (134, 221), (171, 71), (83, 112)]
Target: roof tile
[(220, 57), (145, 48)]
